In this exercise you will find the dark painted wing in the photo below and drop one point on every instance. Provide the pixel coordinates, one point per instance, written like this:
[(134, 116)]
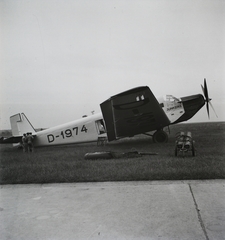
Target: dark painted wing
[(10, 140), (132, 112)]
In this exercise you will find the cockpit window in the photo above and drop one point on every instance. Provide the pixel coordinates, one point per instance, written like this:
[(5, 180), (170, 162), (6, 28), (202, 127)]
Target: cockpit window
[(170, 98)]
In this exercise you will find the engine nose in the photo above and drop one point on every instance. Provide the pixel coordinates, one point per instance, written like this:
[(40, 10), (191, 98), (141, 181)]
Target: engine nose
[(192, 104)]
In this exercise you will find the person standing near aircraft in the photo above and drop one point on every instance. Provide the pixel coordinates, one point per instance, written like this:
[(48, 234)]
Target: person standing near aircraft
[(25, 143), (101, 127), (30, 142)]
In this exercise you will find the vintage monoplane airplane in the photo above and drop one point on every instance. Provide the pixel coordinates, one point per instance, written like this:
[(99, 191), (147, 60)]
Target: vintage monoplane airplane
[(126, 114)]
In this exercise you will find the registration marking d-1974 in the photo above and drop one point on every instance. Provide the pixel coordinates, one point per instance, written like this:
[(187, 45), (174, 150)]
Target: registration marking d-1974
[(67, 133)]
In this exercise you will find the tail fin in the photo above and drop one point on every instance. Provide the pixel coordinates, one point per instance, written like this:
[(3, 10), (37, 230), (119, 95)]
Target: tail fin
[(20, 125)]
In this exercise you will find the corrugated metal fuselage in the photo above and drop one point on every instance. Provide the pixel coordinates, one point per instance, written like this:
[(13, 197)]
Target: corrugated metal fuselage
[(192, 104)]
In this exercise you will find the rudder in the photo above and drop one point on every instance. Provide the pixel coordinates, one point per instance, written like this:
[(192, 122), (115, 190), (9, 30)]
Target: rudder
[(20, 125)]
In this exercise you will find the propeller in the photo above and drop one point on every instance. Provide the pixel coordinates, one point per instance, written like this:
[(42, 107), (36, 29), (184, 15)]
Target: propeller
[(207, 99)]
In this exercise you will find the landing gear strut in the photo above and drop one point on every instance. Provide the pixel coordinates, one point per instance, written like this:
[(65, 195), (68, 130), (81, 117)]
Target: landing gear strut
[(160, 137)]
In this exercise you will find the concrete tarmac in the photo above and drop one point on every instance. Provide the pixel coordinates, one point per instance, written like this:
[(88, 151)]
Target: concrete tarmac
[(114, 210)]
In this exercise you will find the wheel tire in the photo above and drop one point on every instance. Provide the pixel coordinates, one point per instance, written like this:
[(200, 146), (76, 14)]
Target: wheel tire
[(160, 137)]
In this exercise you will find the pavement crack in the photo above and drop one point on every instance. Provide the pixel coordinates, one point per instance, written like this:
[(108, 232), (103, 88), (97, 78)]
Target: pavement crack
[(95, 231), (198, 213)]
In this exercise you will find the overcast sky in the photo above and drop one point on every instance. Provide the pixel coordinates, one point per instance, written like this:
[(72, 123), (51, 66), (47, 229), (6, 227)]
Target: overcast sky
[(61, 58)]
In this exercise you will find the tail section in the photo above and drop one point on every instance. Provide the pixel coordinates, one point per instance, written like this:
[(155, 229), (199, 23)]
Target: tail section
[(20, 125)]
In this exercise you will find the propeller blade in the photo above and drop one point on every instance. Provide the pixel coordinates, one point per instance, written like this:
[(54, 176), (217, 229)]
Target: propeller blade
[(213, 109), (207, 99), (207, 107), (203, 90), (206, 91)]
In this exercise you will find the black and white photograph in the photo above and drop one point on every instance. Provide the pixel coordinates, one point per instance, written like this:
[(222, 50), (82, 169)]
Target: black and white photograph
[(112, 119)]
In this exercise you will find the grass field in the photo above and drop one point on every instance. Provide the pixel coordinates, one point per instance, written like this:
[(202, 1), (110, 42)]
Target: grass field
[(67, 163)]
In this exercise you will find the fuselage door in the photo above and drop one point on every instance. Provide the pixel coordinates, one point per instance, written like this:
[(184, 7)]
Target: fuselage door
[(100, 126)]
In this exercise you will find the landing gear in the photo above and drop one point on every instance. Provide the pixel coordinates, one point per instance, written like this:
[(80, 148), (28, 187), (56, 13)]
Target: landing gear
[(160, 137)]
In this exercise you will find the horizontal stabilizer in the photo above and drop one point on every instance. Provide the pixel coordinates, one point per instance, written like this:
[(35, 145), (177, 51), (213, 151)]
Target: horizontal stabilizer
[(10, 140)]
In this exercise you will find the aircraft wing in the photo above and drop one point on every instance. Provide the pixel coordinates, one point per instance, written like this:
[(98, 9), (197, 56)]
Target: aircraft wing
[(132, 112), (4, 140)]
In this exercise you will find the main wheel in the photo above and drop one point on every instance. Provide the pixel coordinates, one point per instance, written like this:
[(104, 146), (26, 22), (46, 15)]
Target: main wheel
[(160, 137)]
